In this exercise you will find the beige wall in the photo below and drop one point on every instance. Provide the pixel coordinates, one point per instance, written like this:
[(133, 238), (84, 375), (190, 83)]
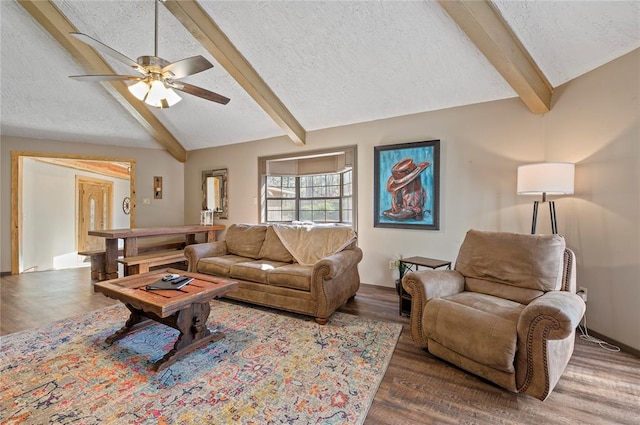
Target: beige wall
[(594, 122), (149, 163)]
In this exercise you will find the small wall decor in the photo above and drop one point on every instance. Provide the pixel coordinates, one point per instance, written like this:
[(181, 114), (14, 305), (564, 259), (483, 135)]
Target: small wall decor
[(126, 205), (407, 185), (157, 187)]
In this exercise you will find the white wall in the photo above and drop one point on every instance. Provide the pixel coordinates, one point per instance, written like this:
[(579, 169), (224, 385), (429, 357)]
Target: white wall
[(594, 122), (149, 163), (49, 207)]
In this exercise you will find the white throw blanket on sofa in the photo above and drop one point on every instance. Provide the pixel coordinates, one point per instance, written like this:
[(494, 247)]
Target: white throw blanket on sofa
[(310, 243)]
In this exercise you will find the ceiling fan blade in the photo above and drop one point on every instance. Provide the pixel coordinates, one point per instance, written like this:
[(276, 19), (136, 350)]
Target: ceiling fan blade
[(106, 50), (95, 78), (185, 67), (199, 91)]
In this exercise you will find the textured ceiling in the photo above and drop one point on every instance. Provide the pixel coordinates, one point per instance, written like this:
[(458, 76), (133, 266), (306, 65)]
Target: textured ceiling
[(569, 38), (330, 63), (346, 62), (39, 101)]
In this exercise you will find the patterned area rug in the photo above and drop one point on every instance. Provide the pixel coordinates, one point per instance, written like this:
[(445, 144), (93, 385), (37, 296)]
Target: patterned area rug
[(271, 368)]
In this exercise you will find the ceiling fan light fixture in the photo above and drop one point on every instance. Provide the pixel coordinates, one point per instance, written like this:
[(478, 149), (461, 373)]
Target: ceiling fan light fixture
[(161, 96), (139, 89), (156, 86)]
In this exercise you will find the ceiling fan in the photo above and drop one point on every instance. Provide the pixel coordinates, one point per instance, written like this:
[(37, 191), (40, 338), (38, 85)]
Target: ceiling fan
[(159, 77)]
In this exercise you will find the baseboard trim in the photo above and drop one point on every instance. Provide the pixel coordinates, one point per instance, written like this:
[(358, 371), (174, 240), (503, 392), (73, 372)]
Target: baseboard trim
[(5, 273), (612, 341)]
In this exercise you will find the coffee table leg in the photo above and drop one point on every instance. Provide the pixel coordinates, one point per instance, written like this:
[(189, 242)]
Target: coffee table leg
[(136, 321), (192, 324)]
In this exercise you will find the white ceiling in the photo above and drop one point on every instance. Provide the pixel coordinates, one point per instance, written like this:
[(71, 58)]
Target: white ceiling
[(331, 63)]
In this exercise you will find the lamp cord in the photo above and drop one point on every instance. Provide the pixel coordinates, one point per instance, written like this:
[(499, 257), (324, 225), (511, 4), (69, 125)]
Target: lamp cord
[(585, 335)]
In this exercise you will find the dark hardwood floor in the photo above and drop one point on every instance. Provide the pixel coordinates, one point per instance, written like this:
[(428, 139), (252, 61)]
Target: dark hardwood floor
[(32, 300), (598, 387)]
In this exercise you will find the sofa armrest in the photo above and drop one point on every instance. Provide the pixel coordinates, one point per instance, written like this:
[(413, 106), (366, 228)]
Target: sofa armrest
[(334, 280), (195, 252), (336, 264), (546, 334), (424, 285)]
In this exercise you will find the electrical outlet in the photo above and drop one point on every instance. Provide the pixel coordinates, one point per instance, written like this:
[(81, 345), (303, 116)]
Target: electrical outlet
[(392, 264), (582, 292)]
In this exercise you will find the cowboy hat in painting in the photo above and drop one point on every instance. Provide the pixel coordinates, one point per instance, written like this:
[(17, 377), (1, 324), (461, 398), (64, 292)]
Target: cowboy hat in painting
[(407, 195)]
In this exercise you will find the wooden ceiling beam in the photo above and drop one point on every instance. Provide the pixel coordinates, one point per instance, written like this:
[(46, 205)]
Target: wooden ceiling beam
[(56, 23), (118, 170), (211, 37), (486, 28)]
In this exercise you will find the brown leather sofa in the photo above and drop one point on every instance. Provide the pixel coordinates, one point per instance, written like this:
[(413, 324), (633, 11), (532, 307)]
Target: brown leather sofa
[(508, 312), (269, 275)]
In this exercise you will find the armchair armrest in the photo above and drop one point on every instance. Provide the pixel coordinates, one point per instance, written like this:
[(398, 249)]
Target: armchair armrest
[(424, 285), (195, 252), (558, 312), (427, 284), (546, 335)]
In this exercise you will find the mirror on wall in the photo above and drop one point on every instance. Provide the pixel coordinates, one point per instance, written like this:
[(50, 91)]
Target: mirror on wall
[(214, 192)]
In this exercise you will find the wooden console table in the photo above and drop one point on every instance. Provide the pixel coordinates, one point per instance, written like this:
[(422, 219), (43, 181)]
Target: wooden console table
[(130, 237), (407, 265)]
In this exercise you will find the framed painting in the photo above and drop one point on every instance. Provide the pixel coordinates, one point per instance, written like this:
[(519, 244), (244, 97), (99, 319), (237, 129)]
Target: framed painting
[(407, 185)]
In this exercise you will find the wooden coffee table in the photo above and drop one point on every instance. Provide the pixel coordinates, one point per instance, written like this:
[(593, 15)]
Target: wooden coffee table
[(186, 309)]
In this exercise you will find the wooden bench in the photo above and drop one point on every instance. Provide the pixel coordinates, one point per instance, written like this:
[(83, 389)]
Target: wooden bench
[(97, 256), (142, 263)]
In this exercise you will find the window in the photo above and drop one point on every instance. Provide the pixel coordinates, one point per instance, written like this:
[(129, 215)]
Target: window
[(281, 198), (324, 198), (317, 187), (347, 197)]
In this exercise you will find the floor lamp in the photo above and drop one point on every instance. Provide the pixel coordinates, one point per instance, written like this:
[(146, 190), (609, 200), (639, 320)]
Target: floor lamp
[(546, 178)]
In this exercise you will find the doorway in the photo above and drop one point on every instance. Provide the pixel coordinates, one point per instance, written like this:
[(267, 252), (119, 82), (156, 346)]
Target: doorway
[(92, 166), (95, 200)]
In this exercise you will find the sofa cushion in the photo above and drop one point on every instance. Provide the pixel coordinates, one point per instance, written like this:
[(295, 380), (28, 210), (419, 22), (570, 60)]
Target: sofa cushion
[(219, 266), (525, 261), (294, 276), (245, 240), (272, 248), (492, 341), (254, 271)]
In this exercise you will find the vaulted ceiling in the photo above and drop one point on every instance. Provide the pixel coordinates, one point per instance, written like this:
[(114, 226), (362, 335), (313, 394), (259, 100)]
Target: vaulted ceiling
[(290, 67)]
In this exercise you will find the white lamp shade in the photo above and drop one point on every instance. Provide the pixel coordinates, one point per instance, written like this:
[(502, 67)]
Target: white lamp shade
[(552, 178), (155, 94), (160, 96), (139, 89)]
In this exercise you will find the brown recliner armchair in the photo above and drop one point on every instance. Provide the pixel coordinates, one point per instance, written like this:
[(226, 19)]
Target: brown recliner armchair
[(508, 312)]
